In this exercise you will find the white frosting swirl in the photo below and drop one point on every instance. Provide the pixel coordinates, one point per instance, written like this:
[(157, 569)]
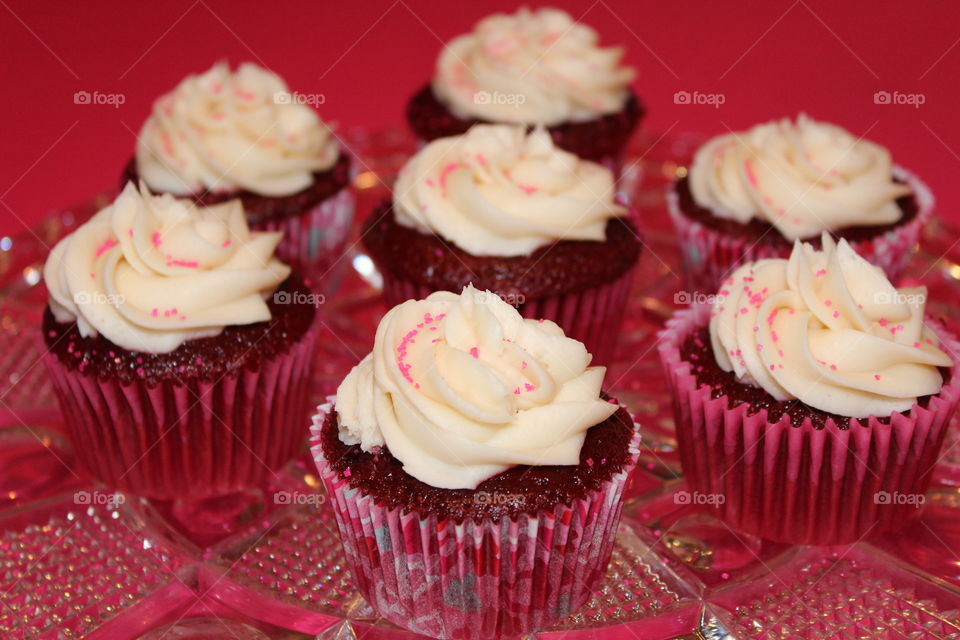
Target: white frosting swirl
[(827, 328), (150, 272), (460, 388), (499, 191), (802, 177), (536, 67), (226, 131)]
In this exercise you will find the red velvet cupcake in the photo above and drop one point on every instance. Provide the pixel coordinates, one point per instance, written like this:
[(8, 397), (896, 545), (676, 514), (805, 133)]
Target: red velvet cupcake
[(750, 195), (812, 399), (475, 468), (179, 347), (534, 68), (508, 211), (243, 135)]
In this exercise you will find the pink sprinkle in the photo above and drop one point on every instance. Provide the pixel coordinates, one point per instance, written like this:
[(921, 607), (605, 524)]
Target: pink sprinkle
[(833, 367), (528, 386), (198, 360), (772, 367), (916, 345), (836, 314), (821, 273), (743, 311), (130, 233), (106, 246), (226, 243), (92, 276), (829, 303), (474, 352), (347, 473), (245, 95), (435, 340), (523, 365), (516, 391), (751, 176), (191, 264), (481, 160), (876, 376), (527, 189), (155, 312), (140, 371), (156, 239), (883, 322), (759, 347), (446, 172), (430, 182), (541, 320), (589, 462), (438, 253)]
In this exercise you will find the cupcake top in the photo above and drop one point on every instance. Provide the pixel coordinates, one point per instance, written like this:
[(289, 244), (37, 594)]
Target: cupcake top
[(460, 388), (827, 328), (500, 191), (229, 130), (150, 272), (532, 67), (802, 177)]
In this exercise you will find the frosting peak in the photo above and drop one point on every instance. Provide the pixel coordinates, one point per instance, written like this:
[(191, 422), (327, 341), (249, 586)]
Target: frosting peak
[(802, 177), (532, 67), (151, 272), (827, 327), (461, 387), (225, 131), (498, 190)]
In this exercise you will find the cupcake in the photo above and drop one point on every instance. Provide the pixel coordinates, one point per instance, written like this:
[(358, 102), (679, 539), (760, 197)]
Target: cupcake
[(751, 195), (226, 135), (812, 398), (475, 468), (533, 68), (508, 211), (179, 347)]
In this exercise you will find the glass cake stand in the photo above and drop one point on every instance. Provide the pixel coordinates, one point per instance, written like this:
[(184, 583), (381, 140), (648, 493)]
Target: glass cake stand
[(78, 561)]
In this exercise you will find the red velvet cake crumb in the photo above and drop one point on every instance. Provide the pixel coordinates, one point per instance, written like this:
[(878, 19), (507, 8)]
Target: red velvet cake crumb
[(595, 139)]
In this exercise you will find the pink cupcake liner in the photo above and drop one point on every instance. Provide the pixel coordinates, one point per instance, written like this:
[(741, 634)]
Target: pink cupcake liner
[(800, 484), (709, 256), (193, 439), (314, 241), (485, 580), (593, 316)]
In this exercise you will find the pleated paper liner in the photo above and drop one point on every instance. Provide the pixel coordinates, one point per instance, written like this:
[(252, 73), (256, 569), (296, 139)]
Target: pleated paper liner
[(314, 241), (189, 439), (485, 580), (709, 256), (799, 484)]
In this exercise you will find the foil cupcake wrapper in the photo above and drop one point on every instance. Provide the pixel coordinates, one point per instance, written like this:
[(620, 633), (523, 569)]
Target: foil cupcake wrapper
[(709, 256), (193, 439), (800, 484), (593, 316), (314, 241), (489, 579)]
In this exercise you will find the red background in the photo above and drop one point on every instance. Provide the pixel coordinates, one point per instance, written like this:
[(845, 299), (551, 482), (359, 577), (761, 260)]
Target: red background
[(768, 59)]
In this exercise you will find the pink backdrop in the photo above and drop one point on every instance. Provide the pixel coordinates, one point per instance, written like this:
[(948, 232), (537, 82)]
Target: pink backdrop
[(766, 59)]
